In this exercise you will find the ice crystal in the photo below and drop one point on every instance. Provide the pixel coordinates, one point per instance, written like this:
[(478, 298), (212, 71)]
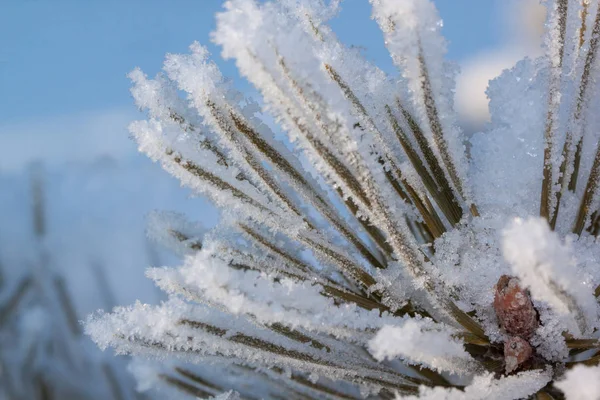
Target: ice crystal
[(365, 254)]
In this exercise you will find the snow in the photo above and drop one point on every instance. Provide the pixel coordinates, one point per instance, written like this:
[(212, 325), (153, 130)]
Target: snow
[(548, 268), (422, 342), (580, 383), (485, 386)]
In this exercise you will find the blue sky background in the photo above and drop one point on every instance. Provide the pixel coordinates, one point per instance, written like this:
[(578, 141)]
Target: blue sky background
[(63, 57)]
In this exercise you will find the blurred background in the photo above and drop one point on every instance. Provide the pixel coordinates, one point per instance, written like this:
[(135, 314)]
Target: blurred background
[(74, 192)]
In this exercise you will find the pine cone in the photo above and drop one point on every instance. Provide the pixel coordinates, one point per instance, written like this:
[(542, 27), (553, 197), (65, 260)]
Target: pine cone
[(516, 351), (514, 308)]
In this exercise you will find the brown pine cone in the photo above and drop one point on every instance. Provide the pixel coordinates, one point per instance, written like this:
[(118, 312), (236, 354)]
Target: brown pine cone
[(514, 308), (516, 351)]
